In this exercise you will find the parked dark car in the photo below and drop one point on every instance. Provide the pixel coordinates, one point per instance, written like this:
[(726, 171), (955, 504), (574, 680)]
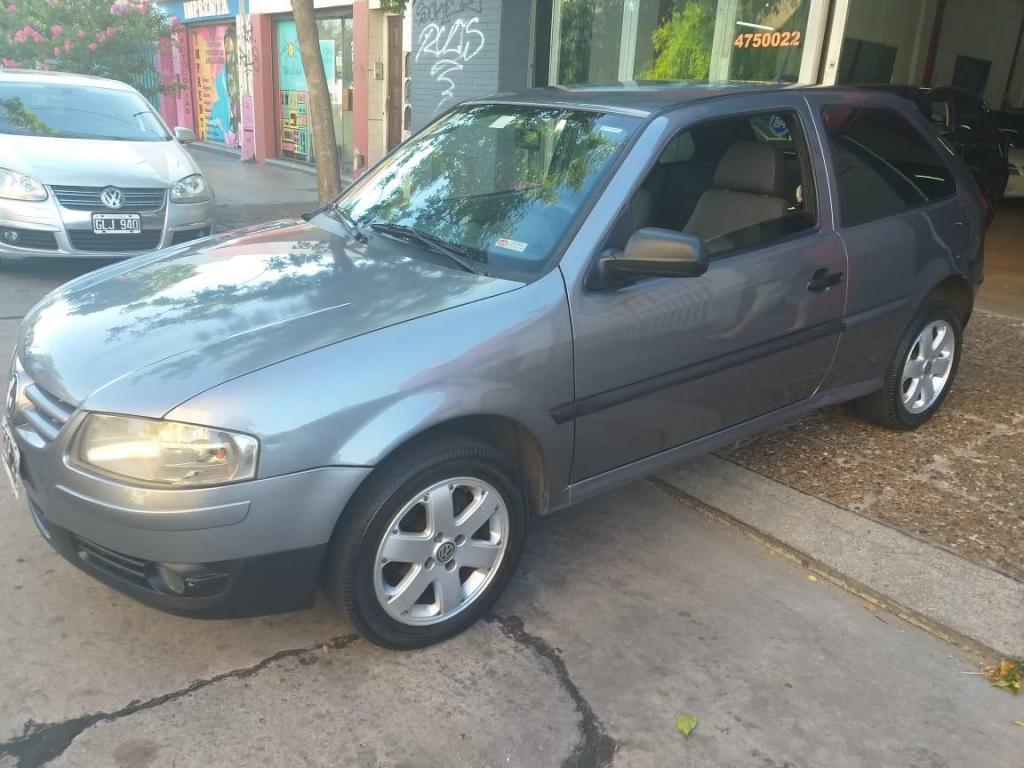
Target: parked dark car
[(969, 126), (1011, 123), (537, 298)]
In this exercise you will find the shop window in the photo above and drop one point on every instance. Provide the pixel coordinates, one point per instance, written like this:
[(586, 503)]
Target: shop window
[(883, 166), (602, 41), (294, 134), (214, 51)]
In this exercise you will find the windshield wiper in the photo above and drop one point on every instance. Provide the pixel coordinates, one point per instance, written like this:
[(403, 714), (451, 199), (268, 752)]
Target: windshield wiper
[(334, 211), (431, 242)]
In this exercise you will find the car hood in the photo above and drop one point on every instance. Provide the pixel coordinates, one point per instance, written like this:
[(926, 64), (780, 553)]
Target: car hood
[(91, 162), (145, 335)]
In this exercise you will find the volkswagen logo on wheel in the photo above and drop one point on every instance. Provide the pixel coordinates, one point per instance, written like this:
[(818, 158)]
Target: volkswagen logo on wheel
[(445, 552), (112, 197)]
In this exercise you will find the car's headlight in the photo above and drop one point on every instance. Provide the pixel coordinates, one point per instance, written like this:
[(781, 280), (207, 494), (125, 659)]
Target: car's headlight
[(18, 186), (191, 189), (164, 452)]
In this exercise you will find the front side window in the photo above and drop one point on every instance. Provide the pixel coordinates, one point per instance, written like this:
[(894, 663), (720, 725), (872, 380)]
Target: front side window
[(501, 183), (883, 166), (77, 112), (744, 182)]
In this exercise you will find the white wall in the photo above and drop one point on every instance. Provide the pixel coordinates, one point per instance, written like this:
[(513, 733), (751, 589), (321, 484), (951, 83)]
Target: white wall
[(984, 29), (903, 24)]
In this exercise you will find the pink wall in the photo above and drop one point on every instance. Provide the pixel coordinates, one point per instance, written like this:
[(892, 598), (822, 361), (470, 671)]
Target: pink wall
[(172, 66)]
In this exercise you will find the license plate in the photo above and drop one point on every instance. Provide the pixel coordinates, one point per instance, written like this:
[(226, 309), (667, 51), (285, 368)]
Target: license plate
[(10, 456), (116, 223)]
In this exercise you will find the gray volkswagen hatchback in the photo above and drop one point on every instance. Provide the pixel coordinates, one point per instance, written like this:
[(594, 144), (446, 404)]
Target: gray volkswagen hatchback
[(535, 299)]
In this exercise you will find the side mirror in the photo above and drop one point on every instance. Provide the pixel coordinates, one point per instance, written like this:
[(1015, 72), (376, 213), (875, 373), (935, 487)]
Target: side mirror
[(651, 252), (184, 135)]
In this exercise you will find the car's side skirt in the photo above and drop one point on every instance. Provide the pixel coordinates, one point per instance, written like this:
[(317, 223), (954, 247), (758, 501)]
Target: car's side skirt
[(649, 465)]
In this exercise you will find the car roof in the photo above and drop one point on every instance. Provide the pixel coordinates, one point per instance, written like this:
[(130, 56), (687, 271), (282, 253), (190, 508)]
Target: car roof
[(60, 78), (642, 99)]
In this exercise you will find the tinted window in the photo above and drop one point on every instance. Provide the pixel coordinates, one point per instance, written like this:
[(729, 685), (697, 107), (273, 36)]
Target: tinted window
[(883, 166)]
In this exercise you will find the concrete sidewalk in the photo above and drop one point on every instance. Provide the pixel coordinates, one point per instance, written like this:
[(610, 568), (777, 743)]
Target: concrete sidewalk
[(959, 600), (248, 193)]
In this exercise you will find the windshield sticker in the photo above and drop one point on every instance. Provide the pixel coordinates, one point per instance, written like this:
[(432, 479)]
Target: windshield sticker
[(511, 245), (503, 121), (609, 129), (778, 125)]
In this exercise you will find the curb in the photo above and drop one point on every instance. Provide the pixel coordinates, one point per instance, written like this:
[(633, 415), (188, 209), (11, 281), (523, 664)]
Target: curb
[(959, 601)]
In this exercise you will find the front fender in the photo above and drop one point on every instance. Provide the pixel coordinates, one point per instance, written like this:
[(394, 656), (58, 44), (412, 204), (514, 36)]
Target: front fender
[(353, 403)]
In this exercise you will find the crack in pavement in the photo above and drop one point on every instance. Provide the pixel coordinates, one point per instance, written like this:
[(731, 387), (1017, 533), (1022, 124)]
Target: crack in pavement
[(42, 742), (595, 748)]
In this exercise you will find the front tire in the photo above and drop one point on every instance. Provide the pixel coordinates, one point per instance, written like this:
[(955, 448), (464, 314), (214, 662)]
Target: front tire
[(428, 545), (921, 372)]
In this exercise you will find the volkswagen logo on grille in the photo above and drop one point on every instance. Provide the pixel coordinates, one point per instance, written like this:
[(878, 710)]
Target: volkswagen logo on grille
[(112, 197), (445, 552), (12, 396)]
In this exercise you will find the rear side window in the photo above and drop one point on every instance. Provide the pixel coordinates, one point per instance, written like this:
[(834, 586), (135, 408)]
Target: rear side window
[(883, 166)]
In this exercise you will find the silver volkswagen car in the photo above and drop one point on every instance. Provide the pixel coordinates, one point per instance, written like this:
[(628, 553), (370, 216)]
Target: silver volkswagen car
[(89, 169), (535, 299)]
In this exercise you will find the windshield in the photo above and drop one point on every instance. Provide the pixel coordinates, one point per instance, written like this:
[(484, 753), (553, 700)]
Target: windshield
[(500, 183), (77, 112)]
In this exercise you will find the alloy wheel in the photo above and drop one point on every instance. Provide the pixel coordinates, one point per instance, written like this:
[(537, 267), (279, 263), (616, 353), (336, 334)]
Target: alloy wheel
[(441, 551), (928, 366)]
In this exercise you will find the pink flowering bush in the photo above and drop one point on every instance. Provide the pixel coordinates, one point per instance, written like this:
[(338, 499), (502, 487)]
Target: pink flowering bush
[(117, 39)]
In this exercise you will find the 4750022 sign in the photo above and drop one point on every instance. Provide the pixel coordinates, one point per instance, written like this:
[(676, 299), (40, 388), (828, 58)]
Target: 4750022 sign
[(768, 39)]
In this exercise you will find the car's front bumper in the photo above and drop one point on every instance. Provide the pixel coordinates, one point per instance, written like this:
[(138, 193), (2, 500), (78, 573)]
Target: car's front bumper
[(250, 548), (47, 229)]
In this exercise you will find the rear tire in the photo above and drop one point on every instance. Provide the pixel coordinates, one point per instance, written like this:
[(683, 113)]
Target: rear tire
[(428, 545), (921, 372)]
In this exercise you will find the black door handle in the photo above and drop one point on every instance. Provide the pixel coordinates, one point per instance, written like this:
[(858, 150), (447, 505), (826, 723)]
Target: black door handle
[(823, 280)]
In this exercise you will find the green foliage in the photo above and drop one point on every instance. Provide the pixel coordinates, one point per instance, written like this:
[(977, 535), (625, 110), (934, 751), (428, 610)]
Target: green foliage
[(394, 6), (682, 44), (93, 37)]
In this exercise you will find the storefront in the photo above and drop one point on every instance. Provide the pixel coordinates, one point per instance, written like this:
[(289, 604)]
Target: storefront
[(209, 80), (616, 40), (293, 137)]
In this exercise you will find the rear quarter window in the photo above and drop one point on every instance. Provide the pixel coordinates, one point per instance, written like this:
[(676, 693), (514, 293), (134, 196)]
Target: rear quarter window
[(883, 165)]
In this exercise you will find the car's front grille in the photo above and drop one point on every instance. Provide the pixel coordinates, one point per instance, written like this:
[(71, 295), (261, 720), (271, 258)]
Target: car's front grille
[(46, 414), (114, 563), (84, 240), (136, 199), (185, 235), (36, 239)]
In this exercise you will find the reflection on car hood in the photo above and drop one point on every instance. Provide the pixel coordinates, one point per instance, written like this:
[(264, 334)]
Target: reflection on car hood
[(95, 163), (145, 335)]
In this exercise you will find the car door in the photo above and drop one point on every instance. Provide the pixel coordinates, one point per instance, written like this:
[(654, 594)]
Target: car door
[(664, 361)]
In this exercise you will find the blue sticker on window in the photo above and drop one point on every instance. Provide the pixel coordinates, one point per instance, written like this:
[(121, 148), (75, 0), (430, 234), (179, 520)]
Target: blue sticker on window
[(778, 126)]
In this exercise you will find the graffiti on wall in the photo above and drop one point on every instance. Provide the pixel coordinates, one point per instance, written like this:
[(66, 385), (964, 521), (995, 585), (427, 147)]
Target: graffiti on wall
[(215, 83), (449, 41), (442, 10)]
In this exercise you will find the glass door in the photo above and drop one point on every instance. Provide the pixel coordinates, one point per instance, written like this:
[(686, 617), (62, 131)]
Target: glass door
[(294, 135)]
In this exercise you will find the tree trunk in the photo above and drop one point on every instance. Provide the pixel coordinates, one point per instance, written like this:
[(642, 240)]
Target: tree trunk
[(321, 117)]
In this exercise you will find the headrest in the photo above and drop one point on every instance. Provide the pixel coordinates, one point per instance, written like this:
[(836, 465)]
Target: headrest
[(751, 166)]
